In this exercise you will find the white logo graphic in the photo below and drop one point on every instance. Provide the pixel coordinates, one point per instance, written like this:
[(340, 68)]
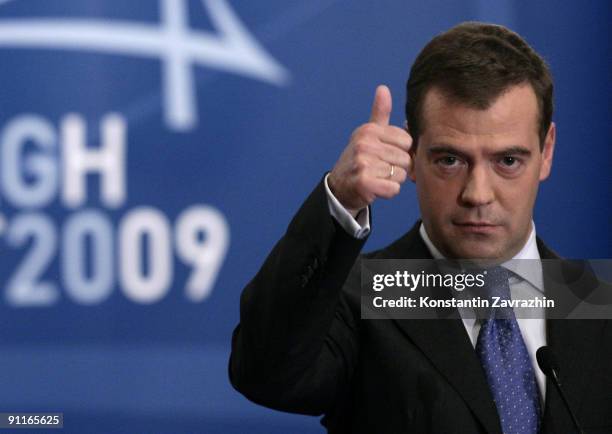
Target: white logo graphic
[(232, 49)]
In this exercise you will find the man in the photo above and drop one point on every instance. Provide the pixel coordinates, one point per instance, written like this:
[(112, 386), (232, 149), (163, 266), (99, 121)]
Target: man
[(478, 141)]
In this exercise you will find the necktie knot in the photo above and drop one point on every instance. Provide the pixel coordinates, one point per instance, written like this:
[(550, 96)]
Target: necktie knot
[(495, 290), (496, 283)]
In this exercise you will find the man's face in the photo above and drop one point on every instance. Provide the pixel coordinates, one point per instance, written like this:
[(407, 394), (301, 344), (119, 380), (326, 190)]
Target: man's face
[(477, 173)]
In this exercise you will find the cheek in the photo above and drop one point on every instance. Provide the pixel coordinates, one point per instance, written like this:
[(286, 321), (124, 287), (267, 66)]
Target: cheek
[(437, 197), (518, 198), (426, 178), (437, 193)]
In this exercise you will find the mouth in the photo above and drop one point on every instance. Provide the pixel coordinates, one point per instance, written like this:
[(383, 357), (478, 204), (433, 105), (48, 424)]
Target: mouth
[(477, 227)]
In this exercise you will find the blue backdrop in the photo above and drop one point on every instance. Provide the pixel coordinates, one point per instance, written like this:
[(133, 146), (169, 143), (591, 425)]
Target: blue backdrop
[(151, 153)]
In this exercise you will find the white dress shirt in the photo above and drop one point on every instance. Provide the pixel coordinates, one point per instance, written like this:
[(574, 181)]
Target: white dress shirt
[(526, 281)]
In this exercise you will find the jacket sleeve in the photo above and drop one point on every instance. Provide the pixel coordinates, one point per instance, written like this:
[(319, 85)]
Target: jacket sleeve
[(295, 346)]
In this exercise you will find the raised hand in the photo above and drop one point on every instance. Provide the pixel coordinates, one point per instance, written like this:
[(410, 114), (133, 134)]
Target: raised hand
[(376, 160)]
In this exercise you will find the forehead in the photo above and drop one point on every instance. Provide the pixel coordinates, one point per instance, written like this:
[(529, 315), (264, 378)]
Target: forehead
[(512, 118)]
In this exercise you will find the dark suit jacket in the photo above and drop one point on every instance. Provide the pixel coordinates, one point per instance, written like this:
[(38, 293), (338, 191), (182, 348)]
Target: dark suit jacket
[(301, 346)]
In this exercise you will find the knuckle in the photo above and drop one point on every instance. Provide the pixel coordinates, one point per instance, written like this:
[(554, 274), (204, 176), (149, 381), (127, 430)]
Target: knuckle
[(391, 190), (369, 129), (360, 163), (397, 155), (360, 146), (407, 164), (404, 161), (403, 137)]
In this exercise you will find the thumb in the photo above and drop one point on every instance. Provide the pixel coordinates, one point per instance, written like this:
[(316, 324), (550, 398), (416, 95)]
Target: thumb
[(381, 107)]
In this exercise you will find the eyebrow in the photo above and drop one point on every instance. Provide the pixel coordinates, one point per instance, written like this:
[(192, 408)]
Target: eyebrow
[(450, 149)]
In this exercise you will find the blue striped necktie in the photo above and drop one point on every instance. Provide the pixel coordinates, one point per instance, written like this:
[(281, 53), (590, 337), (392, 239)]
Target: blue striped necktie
[(506, 362)]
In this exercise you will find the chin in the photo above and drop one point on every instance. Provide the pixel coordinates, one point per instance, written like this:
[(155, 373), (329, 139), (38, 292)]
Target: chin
[(473, 250)]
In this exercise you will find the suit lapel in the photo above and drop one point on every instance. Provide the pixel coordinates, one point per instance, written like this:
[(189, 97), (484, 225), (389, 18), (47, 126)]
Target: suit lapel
[(571, 341), (446, 344)]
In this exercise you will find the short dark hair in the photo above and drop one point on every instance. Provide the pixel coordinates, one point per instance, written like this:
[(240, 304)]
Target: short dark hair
[(473, 63)]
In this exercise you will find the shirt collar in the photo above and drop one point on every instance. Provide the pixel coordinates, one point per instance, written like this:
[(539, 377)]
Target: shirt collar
[(525, 264)]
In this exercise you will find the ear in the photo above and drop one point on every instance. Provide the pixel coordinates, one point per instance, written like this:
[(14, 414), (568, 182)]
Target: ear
[(411, 172), (547, 152)]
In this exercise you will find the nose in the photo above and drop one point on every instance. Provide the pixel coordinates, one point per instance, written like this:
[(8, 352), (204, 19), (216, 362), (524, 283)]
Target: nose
[(477, 190)]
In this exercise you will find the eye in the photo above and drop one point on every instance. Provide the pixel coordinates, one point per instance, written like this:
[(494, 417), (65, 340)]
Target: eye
[(449, 160), (509, 161), (510, 164)]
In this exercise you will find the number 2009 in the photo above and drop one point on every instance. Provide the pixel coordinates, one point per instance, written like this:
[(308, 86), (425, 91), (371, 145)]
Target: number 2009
[(200, 238)]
